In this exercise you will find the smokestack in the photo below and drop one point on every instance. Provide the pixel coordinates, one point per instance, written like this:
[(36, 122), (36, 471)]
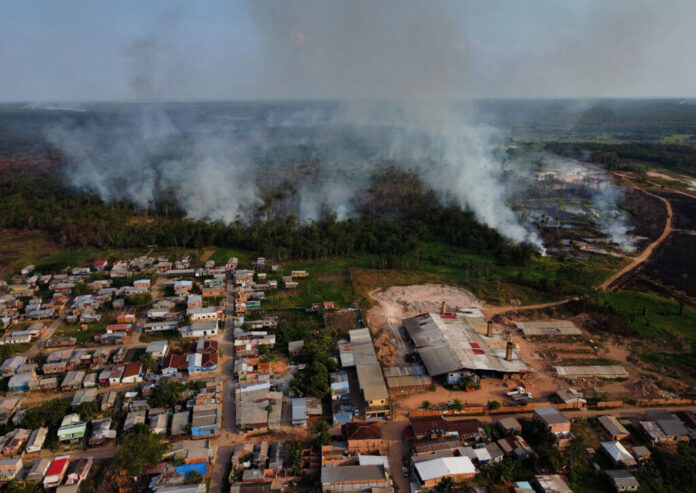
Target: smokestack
[(489, 330), (443, 308), (508, 351)]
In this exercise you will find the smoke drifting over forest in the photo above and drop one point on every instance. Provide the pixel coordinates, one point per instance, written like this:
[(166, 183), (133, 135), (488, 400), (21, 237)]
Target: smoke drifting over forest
[(222, 161)]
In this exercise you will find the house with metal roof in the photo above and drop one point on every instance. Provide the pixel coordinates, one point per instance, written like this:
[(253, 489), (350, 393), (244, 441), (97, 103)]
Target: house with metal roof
[(618, 454), (71, 429), (611, 426), (299, 411), (370, 377), (622, 480), (430, 472), (36, 440), (353, 478)]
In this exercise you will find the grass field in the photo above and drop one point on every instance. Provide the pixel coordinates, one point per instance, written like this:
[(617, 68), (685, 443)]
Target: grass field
[(652, 317), (82, 336), (221, 255)]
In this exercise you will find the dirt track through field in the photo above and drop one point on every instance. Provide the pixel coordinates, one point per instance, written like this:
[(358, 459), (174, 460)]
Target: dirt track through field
[(645, 254)]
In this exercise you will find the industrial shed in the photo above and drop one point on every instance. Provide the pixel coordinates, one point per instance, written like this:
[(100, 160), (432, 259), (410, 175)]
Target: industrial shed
[(610, 371), (451, 343), (549, 328)]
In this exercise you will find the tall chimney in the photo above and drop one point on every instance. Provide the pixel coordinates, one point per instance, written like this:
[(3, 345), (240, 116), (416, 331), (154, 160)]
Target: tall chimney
[(489, 331), (508, 351), (443, 308)]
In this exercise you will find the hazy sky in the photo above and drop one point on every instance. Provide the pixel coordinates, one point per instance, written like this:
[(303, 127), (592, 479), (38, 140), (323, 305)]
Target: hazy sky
[(166, 50)]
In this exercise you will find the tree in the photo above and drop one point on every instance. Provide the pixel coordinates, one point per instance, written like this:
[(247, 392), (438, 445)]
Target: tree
[(87, 410), (194, 478), (149, 363), (445, 484), (295, 457), (312, 381), (426, 405), (140, 449), (19, 486), (457, 404), (166, 393), (493, 405), (323, 435), (49, 413)]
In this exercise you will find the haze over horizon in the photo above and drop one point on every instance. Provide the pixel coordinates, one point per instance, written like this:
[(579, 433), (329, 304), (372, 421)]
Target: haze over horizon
[(311, 49)]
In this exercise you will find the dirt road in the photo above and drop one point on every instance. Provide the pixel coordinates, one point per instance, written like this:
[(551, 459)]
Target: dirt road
[(645, 254), (492, 311)]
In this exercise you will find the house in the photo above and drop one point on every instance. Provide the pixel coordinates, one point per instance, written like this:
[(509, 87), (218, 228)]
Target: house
[(90, 381), (641, 453), (119, 328), (467, 430), (205, 421), (174, 364), (207, 314), (478, 455), (495, 452), (10, 365), (73, 380), (158, 349), (158, 423), (550, 483), (20, 383), (199, 329), (100, 265), (133, 418), (295, 347), (618, 454), (430, 472), (115, 374), (206, 346), (299, 411), (509, 425), (363, 437), (670, 426), (9, 469), (622, 480), (109, 400), (353, 478), (552, 418), (571, 396), (101, 432), (38, 470), (56, 471), (78, 470), (8, 406), (36, 440), (613, 429), (84, 395), (132, 372), (202, 362), (14, 441), (194, 301), (179, 428), (515, 446), (71, 428), (162, 326), (125, 318)]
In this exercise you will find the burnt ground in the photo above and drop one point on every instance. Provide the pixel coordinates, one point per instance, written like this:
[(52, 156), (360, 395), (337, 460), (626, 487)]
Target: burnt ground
[(684, 209), (670, 271), (648, 215)]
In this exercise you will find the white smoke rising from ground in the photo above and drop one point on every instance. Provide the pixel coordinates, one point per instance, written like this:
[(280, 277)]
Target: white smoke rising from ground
[(612, 222)]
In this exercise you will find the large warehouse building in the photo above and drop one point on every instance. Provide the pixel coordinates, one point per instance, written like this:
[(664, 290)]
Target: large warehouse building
[(452, 344)]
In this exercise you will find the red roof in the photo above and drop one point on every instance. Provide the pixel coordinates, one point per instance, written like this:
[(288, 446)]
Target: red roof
[(329, 304), (119, 327), (99, 263), (210, 347), (175, 361), (132, 369), (209, 359), (58, 466), (362, 430)]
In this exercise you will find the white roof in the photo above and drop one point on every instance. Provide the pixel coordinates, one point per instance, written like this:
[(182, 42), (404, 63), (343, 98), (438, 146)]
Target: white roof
[(617, 451), (373, 460), (444, 466), (156, 346)]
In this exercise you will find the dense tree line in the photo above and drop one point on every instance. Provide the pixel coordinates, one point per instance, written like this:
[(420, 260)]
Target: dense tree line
[(676, 157), (78, 219)]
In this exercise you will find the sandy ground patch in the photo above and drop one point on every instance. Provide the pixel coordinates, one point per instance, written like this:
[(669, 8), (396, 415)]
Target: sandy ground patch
[(400, 302)]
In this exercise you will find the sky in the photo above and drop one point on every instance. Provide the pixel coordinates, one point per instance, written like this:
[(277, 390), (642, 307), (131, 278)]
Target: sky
[(166, 50)]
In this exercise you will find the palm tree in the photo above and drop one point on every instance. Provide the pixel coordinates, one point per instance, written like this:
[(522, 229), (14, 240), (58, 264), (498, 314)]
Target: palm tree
[(426, 405), (445, 484)]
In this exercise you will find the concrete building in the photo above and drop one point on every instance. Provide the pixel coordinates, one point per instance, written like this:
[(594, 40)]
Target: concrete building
[(370, 377)]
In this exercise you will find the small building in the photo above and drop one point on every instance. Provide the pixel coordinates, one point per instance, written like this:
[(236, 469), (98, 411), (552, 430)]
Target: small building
[(132, 372), (56, 472), (205, 421), (71, 429), (180, 422), (509, 425), (14, 441), (101, 432), (174, 364), (641, 453), (430, 472), (613, 429), (550, 483), (618, 454), (11, 364), (73, 380), (199, 329), (36, 440), (299, 411), (20, 382), (158, 423), (515, 446), (571, 396), (38, 470), (158, 349), (622, 480), (354, 478), (363, 437), (9, 469), (133, 418), (84, 395), (553, 419), (109, 400)]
